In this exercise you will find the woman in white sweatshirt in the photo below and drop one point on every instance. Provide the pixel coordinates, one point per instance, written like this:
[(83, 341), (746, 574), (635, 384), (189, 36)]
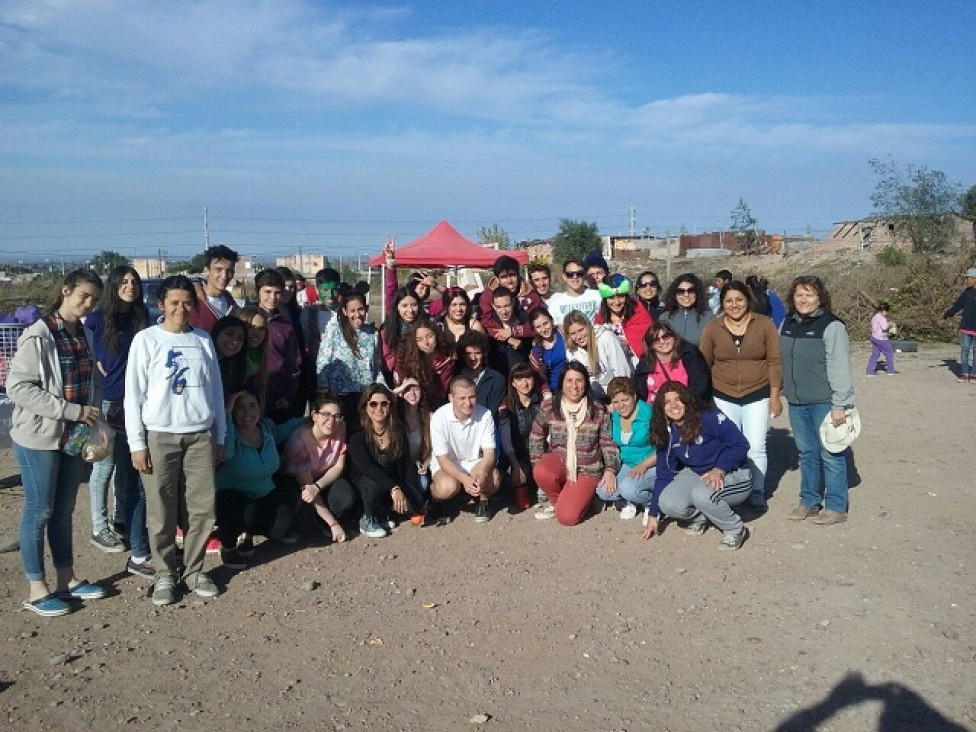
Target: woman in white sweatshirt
[(175, 422), (597, 348)]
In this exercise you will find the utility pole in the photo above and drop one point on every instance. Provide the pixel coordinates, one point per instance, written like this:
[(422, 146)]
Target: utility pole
[(206, 231), (633, 220), (668, 254), (301, 261)]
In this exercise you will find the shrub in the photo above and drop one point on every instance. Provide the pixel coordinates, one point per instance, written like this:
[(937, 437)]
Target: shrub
[(891, 256)]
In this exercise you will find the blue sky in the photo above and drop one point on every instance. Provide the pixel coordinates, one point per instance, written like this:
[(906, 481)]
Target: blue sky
[(328, 125)]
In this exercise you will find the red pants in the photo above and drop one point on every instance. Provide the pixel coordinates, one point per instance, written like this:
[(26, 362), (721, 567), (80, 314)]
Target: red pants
[(571, 499)]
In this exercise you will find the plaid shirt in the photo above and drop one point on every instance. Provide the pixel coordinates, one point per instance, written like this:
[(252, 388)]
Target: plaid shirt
[(75, 359)]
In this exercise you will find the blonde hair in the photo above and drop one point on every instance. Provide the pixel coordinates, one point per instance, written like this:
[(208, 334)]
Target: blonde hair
[(575, 317)]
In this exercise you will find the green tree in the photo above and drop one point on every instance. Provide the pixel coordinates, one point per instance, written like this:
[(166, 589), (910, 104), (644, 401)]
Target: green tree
[(574, 240), (917, 202), (744, 225), (967, 204), (106, 260), (494, 234)]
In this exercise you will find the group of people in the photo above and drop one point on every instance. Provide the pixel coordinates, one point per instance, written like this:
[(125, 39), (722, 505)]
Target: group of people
[(271, 419)]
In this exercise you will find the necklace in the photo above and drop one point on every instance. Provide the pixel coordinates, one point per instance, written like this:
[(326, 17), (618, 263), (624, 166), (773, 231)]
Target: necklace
[(737, 327)]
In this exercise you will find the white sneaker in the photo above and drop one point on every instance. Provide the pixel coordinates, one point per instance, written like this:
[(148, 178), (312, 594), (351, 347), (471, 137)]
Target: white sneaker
[(546, 512), (628, 512)]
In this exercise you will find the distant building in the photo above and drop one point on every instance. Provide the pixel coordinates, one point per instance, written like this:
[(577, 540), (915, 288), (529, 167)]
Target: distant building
[(148, 268), (538, 250), (875, 233), (306, 264)]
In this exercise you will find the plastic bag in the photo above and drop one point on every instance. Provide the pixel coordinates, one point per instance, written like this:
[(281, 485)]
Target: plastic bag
[(91, 444)]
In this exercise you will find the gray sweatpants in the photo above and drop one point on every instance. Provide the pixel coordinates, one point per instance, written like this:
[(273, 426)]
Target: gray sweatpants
[(688, 498)]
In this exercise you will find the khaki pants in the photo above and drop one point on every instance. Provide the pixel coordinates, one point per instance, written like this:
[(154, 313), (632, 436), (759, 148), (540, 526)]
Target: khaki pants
[(182, 480)]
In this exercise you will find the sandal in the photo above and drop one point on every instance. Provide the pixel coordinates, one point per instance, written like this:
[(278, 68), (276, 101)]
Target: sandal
[(84, 590), (49, 606)]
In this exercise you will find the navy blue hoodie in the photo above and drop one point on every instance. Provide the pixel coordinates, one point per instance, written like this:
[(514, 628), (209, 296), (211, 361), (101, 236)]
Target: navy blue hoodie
[(719, 445)]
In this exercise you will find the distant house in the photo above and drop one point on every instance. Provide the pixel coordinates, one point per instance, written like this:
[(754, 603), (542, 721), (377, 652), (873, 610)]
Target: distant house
[(306, 264), (876, 232)]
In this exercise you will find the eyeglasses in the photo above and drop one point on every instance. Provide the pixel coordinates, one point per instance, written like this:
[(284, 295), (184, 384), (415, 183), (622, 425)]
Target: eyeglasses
[(574, 273), (378, 405), (330, 416), (648, 283), (685, 291)]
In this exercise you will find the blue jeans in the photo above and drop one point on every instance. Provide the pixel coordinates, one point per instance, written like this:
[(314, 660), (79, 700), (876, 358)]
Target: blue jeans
[(632, 490), (101, 476), (50, 479), (129, 491), (966, 364), (822, 473)]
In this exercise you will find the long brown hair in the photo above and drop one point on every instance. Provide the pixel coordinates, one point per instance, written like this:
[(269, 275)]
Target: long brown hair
[(348, 332), (575, 317), (73, 279), (393, 425), (659, 327), (418, 364), (112, 306), (521, 370), (690, 424), (259, 380), (423, 417)]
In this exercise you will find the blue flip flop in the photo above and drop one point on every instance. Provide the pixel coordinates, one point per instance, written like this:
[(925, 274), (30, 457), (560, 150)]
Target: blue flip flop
[(84, 590), (49, 606)]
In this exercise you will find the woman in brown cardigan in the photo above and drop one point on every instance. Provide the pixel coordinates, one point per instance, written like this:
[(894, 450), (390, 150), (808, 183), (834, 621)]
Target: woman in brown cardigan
[(742, 350)]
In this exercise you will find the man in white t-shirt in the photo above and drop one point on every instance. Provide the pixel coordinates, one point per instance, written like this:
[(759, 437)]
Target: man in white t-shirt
[(577, 295), (462, 436)]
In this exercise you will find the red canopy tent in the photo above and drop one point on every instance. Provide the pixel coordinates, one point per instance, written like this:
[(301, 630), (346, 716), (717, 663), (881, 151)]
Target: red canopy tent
[(445, 246)]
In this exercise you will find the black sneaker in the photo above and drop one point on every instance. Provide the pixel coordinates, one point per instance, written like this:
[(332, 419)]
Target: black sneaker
[(482, 514), (232, 559), (108, 542), (141, 569), (246, 547)]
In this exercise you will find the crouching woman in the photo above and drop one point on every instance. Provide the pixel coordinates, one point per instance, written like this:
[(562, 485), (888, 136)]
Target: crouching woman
[(248, 500), (701, 468)]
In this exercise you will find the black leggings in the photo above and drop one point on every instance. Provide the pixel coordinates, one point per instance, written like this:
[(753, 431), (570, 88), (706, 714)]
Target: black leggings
[(237, 512)]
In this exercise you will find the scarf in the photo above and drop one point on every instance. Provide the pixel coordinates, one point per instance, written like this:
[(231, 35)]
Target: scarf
[(574, 421)]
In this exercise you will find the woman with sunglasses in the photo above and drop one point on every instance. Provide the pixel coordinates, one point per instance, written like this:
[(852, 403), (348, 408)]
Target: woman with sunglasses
[(649, 293), (667, 357), (349, 356), (702, 470), (620, 312), (686, 307), (382, 469), (598, 349), (315, 455), (457, 318)]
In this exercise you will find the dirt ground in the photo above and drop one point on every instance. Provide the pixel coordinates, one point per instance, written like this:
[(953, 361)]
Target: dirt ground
[(862, 626)]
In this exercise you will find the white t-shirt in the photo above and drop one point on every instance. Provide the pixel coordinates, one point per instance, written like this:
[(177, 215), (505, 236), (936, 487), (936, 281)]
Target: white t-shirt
[(562, 304), (463, 443), (220, 303)]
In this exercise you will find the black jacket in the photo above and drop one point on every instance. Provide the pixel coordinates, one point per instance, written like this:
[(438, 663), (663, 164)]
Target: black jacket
[(699, 375)]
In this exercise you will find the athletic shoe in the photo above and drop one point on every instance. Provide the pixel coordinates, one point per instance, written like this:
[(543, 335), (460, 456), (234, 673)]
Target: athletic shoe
[(164, 591), (731, 542), (213, 545), (204, 586), (369, 526), (49, 606), (141, 569), (232, 559), (108, 542), (546, 512), (482, 514), (246, 546), (696, 528), (628, 512), (84, 590)]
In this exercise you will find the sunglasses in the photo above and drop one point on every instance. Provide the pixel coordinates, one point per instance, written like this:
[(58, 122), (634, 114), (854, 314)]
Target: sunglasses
[(574, 273), (378, 405), (685, 291), (648, 283), (663, 337)]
